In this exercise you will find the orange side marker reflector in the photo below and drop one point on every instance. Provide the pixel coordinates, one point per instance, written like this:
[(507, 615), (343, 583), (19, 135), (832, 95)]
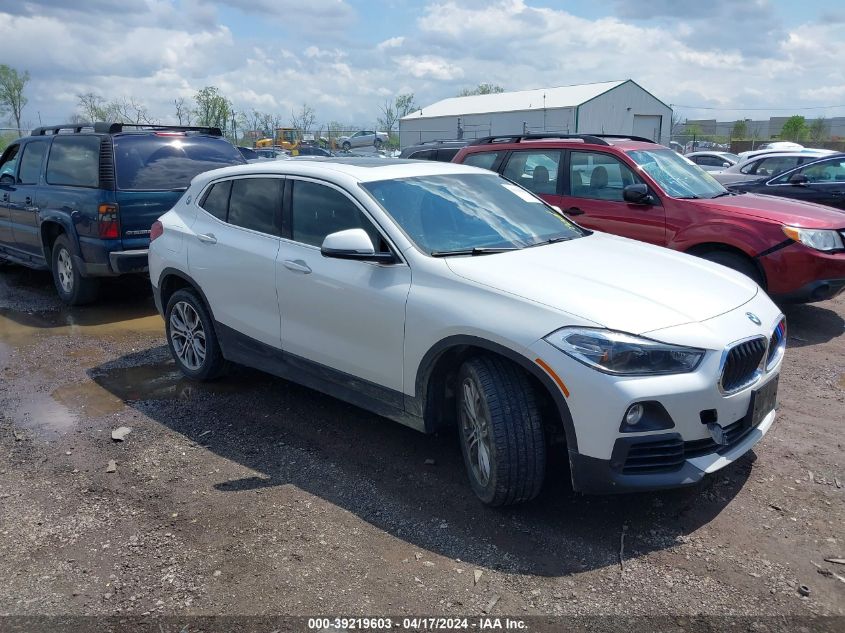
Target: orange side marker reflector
[(555, 377)]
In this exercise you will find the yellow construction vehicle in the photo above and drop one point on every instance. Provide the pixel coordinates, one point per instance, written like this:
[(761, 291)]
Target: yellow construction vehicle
[(285, 137)]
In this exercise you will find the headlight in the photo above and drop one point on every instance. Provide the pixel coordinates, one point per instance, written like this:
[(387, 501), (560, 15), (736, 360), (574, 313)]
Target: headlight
[(819, 239), (624, 354)]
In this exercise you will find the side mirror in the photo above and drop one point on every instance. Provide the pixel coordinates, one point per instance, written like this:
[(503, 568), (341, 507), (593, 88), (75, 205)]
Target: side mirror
[(353, 244), (726, 164), (637, 194), (7, 179), (798, 179)]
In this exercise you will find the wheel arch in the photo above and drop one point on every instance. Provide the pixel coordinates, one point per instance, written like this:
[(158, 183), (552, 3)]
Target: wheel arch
[(441, 363), (50, 228), (170, 280), (702, 248)]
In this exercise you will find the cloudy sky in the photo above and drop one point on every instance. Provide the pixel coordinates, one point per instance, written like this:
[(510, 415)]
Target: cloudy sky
[(345, 57)]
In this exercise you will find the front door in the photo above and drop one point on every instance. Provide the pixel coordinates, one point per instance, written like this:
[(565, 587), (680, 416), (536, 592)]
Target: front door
[(8, 177), (23, 200), (239, 224), (594, 198), (825, 183), (345, 315)]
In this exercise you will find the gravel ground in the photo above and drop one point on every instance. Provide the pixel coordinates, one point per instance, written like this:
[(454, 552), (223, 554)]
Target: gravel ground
[(256, 496)]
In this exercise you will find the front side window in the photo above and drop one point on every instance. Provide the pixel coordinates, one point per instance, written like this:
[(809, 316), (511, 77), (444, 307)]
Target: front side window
[(828, 171), (599, 176), (536, 171), (460, 212), (74, 161), (31, 161), (255, 203), (10, 161), (675, 175), (485, 160), (319, 210)]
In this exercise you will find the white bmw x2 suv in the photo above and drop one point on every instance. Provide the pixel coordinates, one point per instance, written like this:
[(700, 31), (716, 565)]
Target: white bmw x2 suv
[(443, 295)]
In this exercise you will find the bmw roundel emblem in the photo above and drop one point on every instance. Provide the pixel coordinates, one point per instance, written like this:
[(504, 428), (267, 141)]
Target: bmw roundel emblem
[(753, 318)]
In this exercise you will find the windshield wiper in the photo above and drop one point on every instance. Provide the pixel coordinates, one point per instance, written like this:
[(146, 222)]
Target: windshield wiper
[(478, 250), (553, 240), (724, 193)]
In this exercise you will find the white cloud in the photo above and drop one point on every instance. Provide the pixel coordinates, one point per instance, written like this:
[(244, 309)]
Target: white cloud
[(166, 50)]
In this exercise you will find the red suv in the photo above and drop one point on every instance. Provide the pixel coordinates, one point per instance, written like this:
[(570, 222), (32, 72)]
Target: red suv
[(633, 187)]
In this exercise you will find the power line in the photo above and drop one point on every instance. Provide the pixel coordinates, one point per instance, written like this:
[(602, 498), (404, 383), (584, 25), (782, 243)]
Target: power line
[(678, 105)]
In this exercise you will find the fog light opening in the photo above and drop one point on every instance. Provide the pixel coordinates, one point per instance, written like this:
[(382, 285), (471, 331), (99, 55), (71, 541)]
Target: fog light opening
[(634, 414)]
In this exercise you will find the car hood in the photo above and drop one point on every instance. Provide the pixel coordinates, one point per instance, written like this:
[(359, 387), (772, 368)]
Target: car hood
[(782, 210), (612, 281)]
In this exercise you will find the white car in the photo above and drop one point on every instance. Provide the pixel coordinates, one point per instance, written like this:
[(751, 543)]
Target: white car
[(443, 295)]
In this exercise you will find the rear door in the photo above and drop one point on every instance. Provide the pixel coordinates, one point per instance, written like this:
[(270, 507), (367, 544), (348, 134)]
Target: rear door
[(232, 254), (593, 198), (23, 200), (537, 170)]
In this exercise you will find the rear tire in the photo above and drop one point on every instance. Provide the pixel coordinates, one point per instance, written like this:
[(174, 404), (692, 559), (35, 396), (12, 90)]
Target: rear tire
[(73, 288), (735, 262), (501, 431), (347, 146), (191, 338), (378, 143)]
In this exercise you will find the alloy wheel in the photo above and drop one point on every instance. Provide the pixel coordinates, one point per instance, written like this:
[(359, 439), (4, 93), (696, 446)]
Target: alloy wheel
[(475, 428), (187, 335), (64, 268)]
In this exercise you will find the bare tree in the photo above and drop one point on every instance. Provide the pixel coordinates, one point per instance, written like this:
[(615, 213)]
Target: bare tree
[(388, 116), (405, 104), (92, 106), (12, 84), (183, 111), (304, 119)]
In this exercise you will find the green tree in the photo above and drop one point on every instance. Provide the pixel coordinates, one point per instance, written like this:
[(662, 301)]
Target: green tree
[(405, 104), (795, 128), (392, 111), (212, 109), (481, 89), (818, 130), (12, 84), (693, 129), (739, 130)]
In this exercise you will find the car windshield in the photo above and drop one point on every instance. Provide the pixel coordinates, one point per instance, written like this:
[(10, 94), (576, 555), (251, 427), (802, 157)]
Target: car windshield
[(164, 162), (676, 175), (469, 213)]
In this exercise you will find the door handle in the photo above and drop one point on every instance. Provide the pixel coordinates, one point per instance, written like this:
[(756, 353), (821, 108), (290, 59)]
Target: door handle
[(573, 211), (207, 238), (27, 201), (5, 197), (297, 265)]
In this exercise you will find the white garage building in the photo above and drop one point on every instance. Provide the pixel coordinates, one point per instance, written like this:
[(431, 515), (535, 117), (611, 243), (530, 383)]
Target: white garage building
[(610, 107)]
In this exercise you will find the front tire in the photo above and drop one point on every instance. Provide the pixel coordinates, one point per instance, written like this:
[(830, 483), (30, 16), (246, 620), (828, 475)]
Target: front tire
[(735, 262), (191, 337), (347, 146), (378, 143), (501, 431), (73, 288)]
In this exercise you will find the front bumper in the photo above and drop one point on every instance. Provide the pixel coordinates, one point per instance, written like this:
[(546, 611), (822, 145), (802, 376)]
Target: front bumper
[(799, 274), (696, 407), (597, 476), (820, 290)]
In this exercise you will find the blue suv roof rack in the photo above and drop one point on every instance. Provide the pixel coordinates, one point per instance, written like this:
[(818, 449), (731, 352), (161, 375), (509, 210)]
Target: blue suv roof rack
[(116, 128)]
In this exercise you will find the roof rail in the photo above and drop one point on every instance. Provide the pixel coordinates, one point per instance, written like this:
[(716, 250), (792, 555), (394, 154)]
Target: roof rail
[(595, 139), (115, 128)]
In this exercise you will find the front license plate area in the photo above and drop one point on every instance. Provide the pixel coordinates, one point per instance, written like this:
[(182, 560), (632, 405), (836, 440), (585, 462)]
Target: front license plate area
[(763, 401)]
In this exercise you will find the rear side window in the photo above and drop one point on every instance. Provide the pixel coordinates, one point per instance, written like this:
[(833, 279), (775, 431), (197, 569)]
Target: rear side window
[(31, 161), (425, 154), (74, 161), (216, 201), (446, 155), (536, 171), (485, 160), (255, 203), (164, 162)]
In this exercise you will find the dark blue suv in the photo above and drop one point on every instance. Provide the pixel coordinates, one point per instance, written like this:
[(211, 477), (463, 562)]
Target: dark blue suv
[(80, 199)]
